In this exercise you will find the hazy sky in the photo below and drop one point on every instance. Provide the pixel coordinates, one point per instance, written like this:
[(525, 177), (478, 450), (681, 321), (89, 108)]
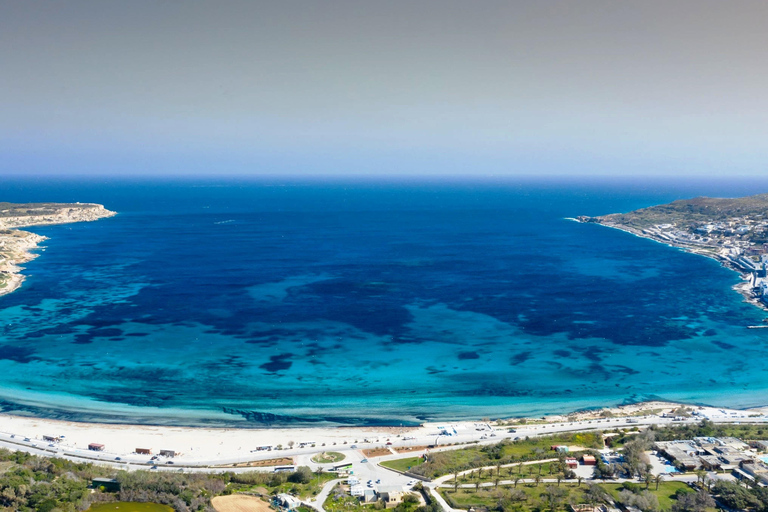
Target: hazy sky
[(384, 87)]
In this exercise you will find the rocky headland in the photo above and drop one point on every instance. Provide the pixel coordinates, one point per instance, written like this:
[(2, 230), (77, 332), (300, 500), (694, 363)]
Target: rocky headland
[(733, 231), (16, 246)]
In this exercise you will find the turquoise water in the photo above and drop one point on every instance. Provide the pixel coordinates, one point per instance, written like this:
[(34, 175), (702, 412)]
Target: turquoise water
[(268, 302)]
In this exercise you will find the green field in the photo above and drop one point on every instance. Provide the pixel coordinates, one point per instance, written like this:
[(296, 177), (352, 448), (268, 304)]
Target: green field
[(664, 494), (489, 497), (403, 464), (129, 506), (505, 452)]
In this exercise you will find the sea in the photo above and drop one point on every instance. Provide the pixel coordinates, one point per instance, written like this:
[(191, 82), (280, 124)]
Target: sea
[(290, 301)]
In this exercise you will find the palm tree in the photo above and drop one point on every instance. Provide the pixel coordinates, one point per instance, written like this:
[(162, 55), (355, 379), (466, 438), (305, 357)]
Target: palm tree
[(477, 486), (658, 478), (648, 479), (498, 469), (496, 483), (516, 480), (559, 479), (537, 479), (455, 481)]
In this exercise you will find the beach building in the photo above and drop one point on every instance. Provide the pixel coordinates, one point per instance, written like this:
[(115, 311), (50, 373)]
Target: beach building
[(167, 453), (144, 451), (96, 447), (107, 484)]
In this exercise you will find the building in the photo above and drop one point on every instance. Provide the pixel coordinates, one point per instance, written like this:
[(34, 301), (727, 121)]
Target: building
[(106, 484), (144, 451), (52, 439), (369, 496), (287, 502), (571, 463), (391, 495), (167, 453), (589, 460), (96, 447)]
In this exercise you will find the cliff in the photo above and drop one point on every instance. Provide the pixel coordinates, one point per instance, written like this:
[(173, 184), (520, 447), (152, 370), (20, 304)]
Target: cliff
[(16, 245)]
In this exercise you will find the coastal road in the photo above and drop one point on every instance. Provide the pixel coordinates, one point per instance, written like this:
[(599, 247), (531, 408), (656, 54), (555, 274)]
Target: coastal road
[(479, 433)]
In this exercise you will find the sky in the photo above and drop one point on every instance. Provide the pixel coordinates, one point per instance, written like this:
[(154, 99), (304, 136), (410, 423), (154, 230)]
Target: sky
[(393, 88)]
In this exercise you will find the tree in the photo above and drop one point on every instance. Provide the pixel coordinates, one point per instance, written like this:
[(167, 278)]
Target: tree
[(734, 496), (595, 494), (554, 496), (658, 478), (516, 480), (496, 483), (648, 479), (302, 475), (693, 502), (579, 479), (537, 479), (455, 481)]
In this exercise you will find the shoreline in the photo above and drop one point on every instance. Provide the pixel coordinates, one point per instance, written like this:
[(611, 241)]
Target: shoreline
[(741, 288), (226, 447), (17, 246)]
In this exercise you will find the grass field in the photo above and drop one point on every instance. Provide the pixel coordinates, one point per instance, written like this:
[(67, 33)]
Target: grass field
[(129, 506), (403, 464), (664, 494), (489, 497)]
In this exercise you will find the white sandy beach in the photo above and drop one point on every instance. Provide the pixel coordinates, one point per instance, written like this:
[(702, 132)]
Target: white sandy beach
[(196, 444)]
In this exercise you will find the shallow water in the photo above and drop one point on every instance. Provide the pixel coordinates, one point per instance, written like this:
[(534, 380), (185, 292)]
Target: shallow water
[(267, 302)]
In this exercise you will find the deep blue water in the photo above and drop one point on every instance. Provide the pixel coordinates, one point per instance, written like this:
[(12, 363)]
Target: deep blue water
[(288, 302)]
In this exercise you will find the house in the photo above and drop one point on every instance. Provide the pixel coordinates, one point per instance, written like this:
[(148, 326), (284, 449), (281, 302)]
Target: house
[(106, 484), (588, 460), (287, 502), (96, 447), (571, 463), (144, 451), (369, 496), (392, 498)]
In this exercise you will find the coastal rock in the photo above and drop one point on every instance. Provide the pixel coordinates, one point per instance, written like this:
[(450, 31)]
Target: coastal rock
[(16, 245)]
